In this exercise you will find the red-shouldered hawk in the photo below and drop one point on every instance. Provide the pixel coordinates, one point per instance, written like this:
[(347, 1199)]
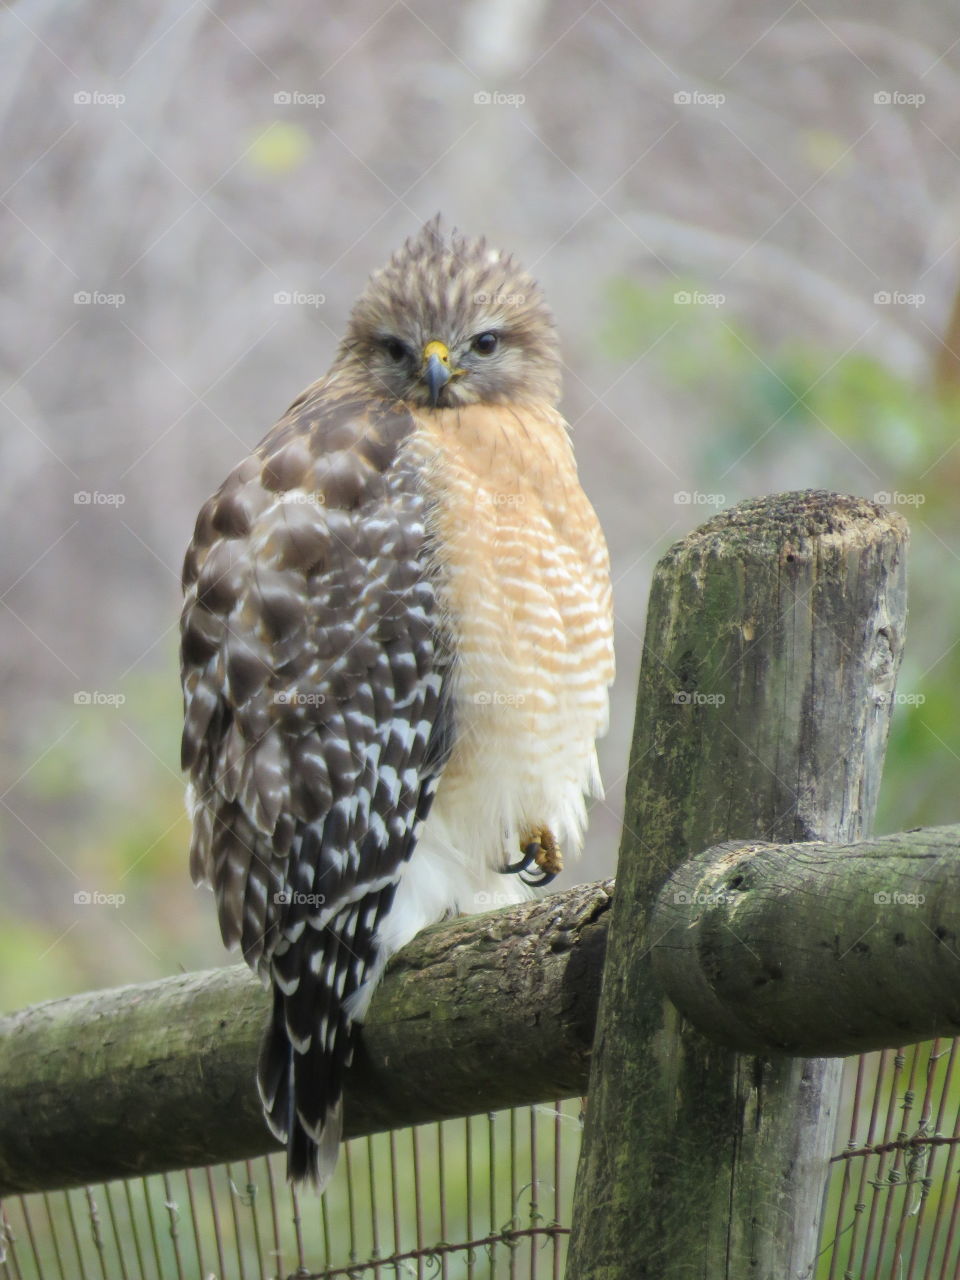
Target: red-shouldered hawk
[(396, 651)]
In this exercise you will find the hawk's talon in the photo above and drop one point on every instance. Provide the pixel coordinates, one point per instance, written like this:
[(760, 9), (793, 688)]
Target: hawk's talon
[(543, 852), (537, 882), (512, 868), (529, 855)]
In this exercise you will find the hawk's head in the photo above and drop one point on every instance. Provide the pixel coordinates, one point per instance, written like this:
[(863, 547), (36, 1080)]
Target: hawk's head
[(450, 321)]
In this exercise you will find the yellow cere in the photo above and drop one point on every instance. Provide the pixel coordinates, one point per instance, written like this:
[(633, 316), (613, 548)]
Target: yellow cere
[(438, 349)]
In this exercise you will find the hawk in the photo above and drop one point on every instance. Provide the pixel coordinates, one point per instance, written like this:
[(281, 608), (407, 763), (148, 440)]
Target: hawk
[(396, 647)]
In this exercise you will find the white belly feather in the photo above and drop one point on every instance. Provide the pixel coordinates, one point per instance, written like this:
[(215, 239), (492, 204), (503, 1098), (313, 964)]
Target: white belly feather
[(527, 594)]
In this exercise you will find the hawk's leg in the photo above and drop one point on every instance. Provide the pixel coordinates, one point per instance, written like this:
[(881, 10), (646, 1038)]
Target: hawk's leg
[(539, 850)]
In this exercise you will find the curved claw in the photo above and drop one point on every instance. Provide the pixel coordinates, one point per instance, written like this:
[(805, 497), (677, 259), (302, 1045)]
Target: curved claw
[(529, 855), (512, 868), (539, 881)]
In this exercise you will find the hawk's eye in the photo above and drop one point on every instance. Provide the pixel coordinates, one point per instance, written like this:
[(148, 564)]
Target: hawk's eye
[(485, 344), (395, 349)]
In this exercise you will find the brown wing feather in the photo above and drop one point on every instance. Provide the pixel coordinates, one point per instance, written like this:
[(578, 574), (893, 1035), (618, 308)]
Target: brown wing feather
[(313, 674)]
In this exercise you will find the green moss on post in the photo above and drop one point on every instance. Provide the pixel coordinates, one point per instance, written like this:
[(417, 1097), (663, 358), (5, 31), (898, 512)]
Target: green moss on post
[(773, 640)]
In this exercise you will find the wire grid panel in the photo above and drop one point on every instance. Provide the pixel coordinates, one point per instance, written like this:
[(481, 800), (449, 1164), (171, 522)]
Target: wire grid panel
[(487, 1198), (892, 1203)]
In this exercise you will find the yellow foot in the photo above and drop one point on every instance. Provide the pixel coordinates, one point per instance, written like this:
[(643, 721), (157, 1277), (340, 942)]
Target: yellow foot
[(540, 849)]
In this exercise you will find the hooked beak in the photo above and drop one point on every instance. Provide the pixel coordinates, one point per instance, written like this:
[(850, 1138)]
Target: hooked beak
[(437, 372)]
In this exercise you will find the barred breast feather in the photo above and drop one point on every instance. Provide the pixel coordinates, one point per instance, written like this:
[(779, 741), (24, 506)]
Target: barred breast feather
[(523, 586)]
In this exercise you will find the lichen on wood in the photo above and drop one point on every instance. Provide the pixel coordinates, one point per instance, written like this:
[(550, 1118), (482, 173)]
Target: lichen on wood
[(773, 639)]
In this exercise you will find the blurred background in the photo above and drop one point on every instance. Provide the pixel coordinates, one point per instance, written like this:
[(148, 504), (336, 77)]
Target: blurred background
[(745, 216)]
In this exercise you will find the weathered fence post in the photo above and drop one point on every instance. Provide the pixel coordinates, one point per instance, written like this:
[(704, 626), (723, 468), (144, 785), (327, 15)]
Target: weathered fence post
[(773, 640)]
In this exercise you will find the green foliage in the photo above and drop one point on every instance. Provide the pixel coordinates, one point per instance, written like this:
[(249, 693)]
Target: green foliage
[(114, 827), (784, 415)]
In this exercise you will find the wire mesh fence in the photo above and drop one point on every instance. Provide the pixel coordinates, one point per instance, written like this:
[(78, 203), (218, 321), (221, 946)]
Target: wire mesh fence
[(490, 1197), (484, 1198), (893, 1198)]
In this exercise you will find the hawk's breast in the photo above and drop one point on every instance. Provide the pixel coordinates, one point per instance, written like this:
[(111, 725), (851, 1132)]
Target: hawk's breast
[(523, 581)]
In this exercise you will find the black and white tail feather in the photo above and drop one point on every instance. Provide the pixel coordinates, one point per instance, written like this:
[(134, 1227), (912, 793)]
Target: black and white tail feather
[(310, 1040), (324, 971)]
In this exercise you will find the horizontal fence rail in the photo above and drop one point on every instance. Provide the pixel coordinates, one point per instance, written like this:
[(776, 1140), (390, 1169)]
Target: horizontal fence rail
[(150, 1078), (816, 949), (145, 1079), (476, 1014)]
